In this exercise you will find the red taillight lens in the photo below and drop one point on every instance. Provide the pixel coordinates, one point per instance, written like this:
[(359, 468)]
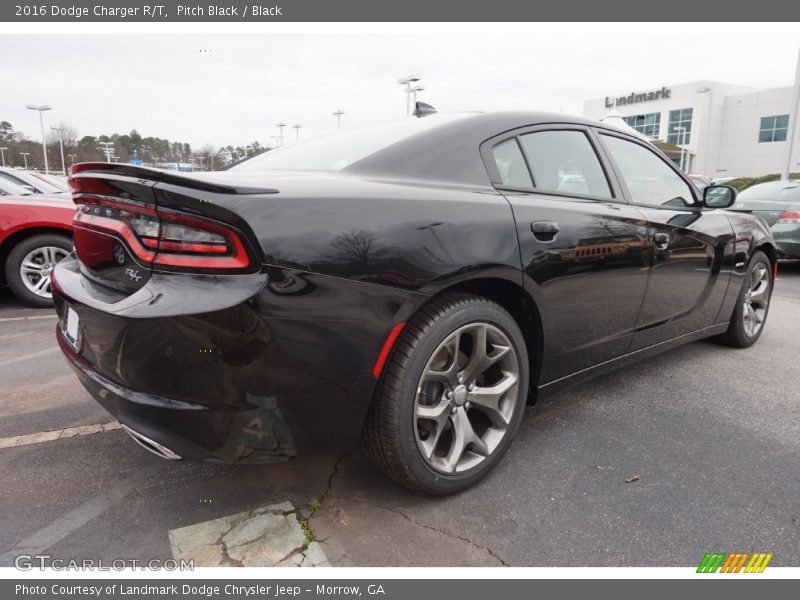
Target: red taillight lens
[(790, 216), (161, 237)]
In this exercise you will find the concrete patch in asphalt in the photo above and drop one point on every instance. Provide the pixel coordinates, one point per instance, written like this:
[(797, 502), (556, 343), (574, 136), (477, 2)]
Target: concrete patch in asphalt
[(268, 536)]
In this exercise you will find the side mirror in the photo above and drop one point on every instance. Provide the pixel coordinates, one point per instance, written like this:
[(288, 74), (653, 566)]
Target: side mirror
[(719, 196)]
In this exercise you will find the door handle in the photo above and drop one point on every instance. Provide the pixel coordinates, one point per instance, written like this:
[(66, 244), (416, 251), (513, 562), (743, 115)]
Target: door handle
[(661, 240), (545, 231)]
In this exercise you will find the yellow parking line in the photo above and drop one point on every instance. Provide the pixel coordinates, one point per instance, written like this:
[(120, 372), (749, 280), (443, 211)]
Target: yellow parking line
[(58, 434)]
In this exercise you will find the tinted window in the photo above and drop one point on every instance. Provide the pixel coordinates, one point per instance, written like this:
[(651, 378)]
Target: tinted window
[(339, 150), (649, 179), (511, 164), (564, 161)]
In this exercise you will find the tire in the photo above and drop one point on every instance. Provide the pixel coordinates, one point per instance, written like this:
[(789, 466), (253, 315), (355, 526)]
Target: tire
[(740, 334), (24, 279), (421, 453)]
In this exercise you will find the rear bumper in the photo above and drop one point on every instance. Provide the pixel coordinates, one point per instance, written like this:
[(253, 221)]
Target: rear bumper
[(787, 239), (281, 372)]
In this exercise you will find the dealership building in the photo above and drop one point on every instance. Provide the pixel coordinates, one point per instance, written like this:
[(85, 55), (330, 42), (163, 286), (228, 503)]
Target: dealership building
[(716, 129)]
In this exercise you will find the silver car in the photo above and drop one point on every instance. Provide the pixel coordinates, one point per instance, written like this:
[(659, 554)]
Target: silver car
[(778, 203)]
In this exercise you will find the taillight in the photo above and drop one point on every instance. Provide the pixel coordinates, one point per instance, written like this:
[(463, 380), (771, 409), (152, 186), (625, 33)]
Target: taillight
[(160, 237), (790, 216)]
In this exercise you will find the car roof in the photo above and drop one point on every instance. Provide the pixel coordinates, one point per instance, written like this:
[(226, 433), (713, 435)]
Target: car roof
[(447, 152)]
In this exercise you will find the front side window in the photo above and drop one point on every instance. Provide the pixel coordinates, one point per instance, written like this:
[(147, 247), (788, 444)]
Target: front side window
[(773, 129), (679, 131), (650, 180), (565, 161), (511, 164), (649, 124)]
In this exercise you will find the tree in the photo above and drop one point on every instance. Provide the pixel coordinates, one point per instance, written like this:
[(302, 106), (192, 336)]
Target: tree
[(6, 131)]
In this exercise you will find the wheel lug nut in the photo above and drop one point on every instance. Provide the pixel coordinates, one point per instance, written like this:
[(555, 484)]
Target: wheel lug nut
[(455, 410)]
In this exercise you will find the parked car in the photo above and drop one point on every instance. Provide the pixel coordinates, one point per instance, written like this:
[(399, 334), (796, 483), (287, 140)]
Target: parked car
[(37, 184), (35, 233), (701, 181), (9, 187), (778, 203), (398, 281), (56, 181)]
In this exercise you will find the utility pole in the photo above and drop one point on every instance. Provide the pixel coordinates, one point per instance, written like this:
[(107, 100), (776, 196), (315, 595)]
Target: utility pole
[(794, 114)]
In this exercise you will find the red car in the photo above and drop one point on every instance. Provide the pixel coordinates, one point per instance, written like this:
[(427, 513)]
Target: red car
[(35, 233)]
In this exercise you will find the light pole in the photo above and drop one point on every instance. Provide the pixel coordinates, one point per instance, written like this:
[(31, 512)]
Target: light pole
[(25, 158), (274, 139), (682, 132), (72, 158), (297, 132), (3, 154), (107, 146), (280, 127), (41, 109), (338, 114), (414, 90), (407, 81), (60, 131), (200, 158)]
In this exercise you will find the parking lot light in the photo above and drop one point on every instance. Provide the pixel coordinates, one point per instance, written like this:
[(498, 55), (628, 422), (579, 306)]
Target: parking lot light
[(338, 114), (60, 131), (41, 108), (297, 131), (3, 154), (25, 158), (407, 81), (280, 127)]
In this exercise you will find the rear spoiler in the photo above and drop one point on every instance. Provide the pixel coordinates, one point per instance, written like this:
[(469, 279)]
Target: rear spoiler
[(159, 175)]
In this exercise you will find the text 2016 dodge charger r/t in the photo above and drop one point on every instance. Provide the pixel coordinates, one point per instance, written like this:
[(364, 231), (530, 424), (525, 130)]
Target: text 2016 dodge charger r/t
[(415, 282)]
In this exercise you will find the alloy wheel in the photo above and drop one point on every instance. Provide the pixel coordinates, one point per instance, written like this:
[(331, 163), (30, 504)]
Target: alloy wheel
[(37, 266), (466, 398), (756, 300)]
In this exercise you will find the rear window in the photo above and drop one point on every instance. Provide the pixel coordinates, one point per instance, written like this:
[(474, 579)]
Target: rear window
[(771, 192), (339, 150)]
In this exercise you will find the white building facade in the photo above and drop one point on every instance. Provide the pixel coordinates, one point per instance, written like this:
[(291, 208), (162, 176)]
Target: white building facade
[(725, 130)]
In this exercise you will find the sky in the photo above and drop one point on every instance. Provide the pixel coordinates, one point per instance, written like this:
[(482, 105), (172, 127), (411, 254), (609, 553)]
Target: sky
[(233, 89)]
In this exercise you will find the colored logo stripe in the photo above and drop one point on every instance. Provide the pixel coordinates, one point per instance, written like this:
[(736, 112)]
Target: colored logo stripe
[(711, 562), (734, 562), (758, 563)]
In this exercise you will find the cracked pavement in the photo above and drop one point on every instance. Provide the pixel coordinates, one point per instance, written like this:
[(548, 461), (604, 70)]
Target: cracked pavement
[(712, 433)]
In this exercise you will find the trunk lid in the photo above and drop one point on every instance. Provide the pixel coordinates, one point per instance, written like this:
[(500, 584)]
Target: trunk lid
[(132, 221)]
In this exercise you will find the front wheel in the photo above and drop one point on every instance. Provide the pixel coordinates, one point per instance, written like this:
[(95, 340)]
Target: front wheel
[(752, 305), (452, 395)]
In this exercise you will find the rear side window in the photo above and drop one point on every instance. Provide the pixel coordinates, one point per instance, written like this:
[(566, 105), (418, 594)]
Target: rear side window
[(649, 179), (511, 164), (565, 161)]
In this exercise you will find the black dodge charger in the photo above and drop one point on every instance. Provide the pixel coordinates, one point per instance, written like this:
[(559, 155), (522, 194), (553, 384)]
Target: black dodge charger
[(414, 283)]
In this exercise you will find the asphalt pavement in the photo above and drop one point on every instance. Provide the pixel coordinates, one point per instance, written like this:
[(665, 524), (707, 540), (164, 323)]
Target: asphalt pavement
[(693, 451)]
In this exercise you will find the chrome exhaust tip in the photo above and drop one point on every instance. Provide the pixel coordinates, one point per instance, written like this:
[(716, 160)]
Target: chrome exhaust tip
[(149, 445)]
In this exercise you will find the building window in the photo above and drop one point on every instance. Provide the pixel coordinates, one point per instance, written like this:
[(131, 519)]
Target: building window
[(773, 129), (677, 119), (649, 124)]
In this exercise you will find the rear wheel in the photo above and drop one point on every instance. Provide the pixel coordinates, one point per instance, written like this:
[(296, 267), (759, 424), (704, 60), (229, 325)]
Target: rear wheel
[(29, 265), (451, 397), (752, 306)]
